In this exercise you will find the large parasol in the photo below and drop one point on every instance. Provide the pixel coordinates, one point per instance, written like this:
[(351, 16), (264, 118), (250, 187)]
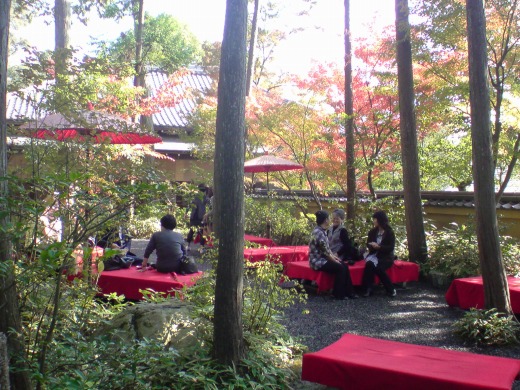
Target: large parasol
[(89, 126), (269, 163)]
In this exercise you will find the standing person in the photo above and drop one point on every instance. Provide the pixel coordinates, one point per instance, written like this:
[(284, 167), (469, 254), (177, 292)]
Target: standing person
[(169, 247), (380, 255), (321, 258), (198, 210), (207, 220)]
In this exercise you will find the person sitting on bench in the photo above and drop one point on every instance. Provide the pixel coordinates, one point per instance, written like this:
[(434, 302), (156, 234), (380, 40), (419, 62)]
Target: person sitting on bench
[(321, 258), (379, 255), (169, 246), (339, 240)]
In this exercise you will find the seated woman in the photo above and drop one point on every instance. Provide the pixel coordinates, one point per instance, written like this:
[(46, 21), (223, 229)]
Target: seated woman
[(380, 255), (169, 247), (339, 240), (321, 258)]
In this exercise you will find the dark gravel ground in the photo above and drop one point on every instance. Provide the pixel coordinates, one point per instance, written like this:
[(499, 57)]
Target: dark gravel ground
[(418, 315)]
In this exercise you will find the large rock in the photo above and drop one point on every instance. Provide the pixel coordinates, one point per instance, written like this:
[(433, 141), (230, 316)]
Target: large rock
[(168, 322)]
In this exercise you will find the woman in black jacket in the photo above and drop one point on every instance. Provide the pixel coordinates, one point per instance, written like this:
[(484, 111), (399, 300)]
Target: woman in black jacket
[(380, 255)]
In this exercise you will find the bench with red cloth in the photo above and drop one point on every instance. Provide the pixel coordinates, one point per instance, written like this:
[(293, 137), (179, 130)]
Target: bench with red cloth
[(400, 272), (358, 362), (259, 240), (282, 254), (129, 281), (469, 292)]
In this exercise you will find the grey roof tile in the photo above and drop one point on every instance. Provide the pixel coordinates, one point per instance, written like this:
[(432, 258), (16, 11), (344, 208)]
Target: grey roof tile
[(193, 83)]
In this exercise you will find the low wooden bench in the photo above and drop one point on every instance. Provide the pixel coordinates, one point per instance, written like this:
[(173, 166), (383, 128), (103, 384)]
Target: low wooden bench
[(400, 272), (358, 362)]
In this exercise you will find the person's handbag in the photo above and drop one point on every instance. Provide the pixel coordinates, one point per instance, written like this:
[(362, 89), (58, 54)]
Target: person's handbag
[(188, 266), (117, 262)]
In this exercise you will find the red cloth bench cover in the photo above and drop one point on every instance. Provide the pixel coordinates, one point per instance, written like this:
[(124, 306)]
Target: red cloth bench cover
[(469, 292), (400, 272), (259, 240), (357, 362), (283, 254), (129, 281)]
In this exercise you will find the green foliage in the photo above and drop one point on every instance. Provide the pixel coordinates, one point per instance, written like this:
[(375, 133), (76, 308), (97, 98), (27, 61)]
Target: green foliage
[(446, 160), (263, 297), (167, 45), (77, 360), (488, 327), (454, 251), (286, 227)]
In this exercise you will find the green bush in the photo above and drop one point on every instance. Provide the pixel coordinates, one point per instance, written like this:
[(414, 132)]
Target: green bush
[(77, 360), (289, 226), (488, 327), (454, 252)]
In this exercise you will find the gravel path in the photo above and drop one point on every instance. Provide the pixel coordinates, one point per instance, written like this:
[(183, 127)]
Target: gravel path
[(418, 315)]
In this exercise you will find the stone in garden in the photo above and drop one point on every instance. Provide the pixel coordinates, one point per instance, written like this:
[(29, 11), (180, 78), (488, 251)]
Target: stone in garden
[(169, 322)]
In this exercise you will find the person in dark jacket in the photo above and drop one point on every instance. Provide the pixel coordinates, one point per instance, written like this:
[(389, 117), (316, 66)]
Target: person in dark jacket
[(197, 212), (321, 258), (169, 247), (379, 255), (339, 240)]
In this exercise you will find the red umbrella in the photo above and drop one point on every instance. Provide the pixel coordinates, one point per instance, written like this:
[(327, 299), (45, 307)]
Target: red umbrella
[(93, 126), (268, 163)]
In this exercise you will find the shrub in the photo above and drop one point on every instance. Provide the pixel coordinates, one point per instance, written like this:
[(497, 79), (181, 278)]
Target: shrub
[(77, 360), (454, 252), (288, 226), (487, 327)]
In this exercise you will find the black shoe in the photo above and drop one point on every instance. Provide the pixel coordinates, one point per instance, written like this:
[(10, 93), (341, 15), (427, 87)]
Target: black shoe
[(367, 293), (392, 293), (353, 296)]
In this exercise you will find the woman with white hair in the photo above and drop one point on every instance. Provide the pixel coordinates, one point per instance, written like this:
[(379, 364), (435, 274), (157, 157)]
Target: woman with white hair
[(339, 240)]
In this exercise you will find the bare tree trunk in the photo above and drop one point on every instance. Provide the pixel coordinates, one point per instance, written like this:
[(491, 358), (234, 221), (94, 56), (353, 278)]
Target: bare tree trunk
[(411, 181), (250, 54), (62, 20), (228, 337), (4, 364), (510, 168), (9, 313), (349, 120), (496, 291), (138, 12)]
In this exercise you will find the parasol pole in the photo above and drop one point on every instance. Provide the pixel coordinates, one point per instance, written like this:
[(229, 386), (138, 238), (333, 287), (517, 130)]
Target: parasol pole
[(268, 208)]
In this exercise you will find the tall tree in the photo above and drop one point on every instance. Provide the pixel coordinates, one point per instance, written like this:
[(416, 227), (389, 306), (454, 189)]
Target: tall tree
[(9, 313), (138, 11), (251, 50), (411, 182), (229, 186), (349, 120), (62, 23), (443, 50), (496, 291)]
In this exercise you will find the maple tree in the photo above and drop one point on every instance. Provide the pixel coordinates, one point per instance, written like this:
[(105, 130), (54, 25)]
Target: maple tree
[(442, 50)]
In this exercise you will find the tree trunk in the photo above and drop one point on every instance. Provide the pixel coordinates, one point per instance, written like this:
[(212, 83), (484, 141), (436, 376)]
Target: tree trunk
[(62, 20), (496, 291), (138, 11), (9, 314), (411, 181), (349, 120), (229, 186), (250, 54), (4, 364)]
